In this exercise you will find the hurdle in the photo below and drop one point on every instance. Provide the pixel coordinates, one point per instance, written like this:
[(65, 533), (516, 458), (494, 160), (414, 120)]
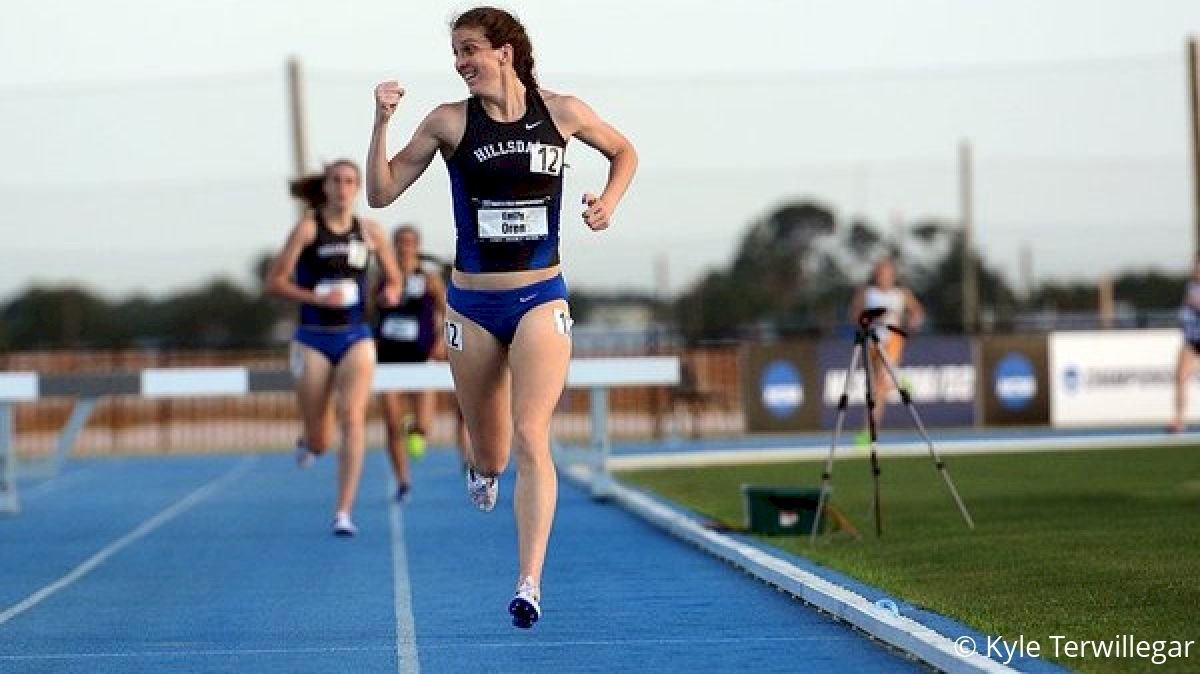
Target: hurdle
[(597, 375)]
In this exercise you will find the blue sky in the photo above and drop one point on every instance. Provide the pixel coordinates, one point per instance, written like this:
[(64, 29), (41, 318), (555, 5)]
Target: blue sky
[(148, 146)]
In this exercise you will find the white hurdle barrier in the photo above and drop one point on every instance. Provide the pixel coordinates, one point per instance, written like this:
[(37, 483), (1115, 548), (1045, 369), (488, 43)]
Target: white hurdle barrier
[(598, 375)]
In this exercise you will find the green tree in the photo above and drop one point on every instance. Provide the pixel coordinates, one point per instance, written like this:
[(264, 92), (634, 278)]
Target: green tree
[(62, 316), (795, 269), (1151, 289), (940, 290), (218, 314), (777, 274)]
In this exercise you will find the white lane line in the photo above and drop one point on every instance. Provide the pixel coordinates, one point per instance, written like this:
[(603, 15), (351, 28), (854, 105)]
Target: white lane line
[(407, 661), (55, 483), (116, 546), (189, 653), (574, 643), (568, 643)]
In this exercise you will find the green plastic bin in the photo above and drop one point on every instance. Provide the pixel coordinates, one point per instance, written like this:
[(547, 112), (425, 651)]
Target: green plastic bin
[(781, 511)]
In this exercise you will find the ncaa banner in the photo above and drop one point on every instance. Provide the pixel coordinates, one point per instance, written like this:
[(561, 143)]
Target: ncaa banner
[(939, 372), (1014, 386), (1117, 378), (780, 388)]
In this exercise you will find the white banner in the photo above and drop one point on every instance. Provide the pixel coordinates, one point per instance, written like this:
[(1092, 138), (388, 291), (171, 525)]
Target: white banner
[(1116, 378)]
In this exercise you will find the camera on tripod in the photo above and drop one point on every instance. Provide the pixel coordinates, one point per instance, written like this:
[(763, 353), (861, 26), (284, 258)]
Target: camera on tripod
[(870, 324), (870, 318)]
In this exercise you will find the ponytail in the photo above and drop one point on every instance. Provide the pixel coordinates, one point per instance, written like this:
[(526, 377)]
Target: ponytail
[(311, 188)]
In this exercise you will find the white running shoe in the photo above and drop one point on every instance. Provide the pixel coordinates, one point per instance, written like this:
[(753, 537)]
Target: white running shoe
[(342, 526), (525, 608), (482, 490), (304, 456)]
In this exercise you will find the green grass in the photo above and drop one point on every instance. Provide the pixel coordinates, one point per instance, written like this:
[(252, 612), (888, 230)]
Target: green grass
[(1083, 544)]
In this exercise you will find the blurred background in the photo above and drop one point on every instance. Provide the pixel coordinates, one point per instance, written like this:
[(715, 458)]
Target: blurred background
[(1042, 153)]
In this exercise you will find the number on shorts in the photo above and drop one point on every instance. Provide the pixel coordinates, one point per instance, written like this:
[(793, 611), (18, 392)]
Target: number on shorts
[(454, 337), (562, 321)]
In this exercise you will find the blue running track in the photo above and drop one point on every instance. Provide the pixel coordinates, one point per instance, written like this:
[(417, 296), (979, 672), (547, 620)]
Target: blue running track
[(226, 564)]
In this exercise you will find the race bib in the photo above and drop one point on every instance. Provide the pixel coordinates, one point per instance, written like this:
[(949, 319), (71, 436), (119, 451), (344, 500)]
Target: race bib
[(546, 159), (348, 287), (513, 220), (454, 335), (415, 286), (357, 253), (563, 322), (400, 328)]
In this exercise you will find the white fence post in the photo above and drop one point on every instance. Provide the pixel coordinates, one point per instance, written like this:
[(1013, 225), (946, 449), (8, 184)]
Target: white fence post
[(8, 462), (601, 480)]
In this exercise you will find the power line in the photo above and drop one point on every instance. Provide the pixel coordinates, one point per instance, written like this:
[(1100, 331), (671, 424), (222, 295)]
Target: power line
[(135, 85), (1130, 61)]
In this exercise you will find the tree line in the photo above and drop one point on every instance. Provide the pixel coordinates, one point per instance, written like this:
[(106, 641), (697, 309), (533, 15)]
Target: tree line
[(796, 268), (793, 273)]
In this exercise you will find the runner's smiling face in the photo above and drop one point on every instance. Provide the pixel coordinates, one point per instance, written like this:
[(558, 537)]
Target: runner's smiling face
[(477, 62)]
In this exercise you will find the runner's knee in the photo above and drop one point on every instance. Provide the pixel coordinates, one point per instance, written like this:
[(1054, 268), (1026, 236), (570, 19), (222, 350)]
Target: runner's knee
[(352, 415), (532, 439)]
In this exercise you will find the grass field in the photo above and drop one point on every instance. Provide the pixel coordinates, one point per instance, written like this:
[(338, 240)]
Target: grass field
[(1086, 544)]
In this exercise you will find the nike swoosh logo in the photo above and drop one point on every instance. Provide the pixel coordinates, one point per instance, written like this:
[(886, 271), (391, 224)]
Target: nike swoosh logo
[(526, 299), (530, 126)]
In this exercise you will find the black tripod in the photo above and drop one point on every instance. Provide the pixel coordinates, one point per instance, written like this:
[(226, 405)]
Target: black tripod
[(866, 336)]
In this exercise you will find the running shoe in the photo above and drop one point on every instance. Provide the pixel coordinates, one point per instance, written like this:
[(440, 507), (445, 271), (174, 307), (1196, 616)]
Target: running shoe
[(342, 526), (482, 490), (525, 608), (402, 493), (416, 444), (862, 440), (304, 456)]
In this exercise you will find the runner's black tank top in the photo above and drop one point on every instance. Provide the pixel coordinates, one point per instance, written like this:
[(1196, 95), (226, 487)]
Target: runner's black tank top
[(506, 185), (411, 321), (332, 259)]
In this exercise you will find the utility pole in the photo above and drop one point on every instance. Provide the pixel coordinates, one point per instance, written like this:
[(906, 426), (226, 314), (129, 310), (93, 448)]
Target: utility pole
[(662, 278), (970, 284), (296, 113), (1193, 57), (1106, 305), (899, 232), (1025, 266)]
